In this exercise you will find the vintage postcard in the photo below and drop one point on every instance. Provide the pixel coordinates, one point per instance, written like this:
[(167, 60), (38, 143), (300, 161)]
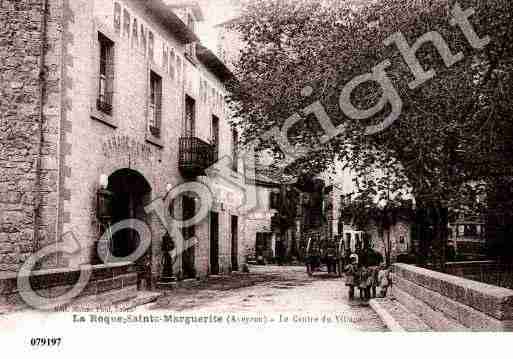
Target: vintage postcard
[(174, 172)]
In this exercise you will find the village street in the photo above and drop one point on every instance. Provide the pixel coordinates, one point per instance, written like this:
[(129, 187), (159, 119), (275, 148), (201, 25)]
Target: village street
[(273, 290)]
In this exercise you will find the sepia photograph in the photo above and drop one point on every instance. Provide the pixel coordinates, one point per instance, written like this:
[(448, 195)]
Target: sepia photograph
[(221, 174)]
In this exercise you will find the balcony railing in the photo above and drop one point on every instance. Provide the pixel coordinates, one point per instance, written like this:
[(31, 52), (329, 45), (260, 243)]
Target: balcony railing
[(195, 156), (104, 103)]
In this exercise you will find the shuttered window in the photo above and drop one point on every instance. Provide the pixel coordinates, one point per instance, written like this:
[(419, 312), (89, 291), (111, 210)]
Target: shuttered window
[(126, 23), (143, 39), (190, 117), (235, 150), (151, 46), (155, 104), (215, 137), (172, 64), (135, 34), (106, 75), (117, 18)]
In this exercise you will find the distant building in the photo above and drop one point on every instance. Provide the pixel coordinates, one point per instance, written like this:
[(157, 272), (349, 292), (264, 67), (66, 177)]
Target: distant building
[(260, 234), (396, 241), (468, 240)]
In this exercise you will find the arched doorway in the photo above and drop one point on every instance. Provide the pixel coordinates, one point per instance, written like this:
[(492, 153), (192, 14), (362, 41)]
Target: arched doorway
[(131, 192)]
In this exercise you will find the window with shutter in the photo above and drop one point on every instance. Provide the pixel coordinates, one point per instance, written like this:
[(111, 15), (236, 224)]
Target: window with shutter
[(135, 34), (172, 64), (151, 46), (179, 70), (235, 150), (155, 104), (106, 75), (165, 58), (117, 17), (126, 23), (143, 39), (190, 120), (190, 49), (215, 137)]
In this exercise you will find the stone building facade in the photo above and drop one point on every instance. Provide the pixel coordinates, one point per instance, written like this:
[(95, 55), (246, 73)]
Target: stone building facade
[(260, 240), (30, 117), (117, 96), (395, 241)]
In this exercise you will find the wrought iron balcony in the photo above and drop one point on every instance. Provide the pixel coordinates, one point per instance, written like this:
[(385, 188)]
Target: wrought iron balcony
[(195, 156), (104, 103)]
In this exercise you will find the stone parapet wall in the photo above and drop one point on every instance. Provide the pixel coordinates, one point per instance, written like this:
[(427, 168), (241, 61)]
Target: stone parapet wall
[(476, 305), (468, 268), (108, 284)]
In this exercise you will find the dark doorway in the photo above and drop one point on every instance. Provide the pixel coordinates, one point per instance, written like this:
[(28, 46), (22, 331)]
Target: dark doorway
[(188, 257), (131, 192), (214, 243), (235, 243)]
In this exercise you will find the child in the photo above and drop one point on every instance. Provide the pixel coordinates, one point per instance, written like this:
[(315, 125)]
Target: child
[(384, 280), (350, 270), (372, 282), (363, 276)]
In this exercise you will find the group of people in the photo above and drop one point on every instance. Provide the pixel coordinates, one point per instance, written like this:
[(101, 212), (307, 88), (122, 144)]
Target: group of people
[(368, 279)]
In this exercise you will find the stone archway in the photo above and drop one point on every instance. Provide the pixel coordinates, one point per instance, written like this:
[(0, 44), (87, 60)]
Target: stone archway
[(131, 193)]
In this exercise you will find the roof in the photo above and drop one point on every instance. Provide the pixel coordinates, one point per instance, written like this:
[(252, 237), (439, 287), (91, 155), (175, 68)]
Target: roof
[(214, 63), (228, 22), (269, 176), (165, 14), (263, 180), (184, 4)]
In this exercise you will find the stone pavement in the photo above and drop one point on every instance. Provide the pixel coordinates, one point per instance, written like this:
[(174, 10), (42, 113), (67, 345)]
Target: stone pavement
[(396, 317), (275, 290)]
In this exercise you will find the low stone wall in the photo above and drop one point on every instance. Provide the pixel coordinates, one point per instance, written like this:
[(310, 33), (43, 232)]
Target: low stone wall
[(490, 272), (475, 305), (108, 285), (468, 269)]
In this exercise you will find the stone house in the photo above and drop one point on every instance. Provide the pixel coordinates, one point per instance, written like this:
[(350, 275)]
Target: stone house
[(283, 218), (108, 106), (396, 241), (260, 234)]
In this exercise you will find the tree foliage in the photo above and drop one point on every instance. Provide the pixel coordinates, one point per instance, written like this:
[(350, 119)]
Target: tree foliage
[(454, 129)]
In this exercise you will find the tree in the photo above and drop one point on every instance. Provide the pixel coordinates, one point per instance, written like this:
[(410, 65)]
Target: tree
[(453, 128)]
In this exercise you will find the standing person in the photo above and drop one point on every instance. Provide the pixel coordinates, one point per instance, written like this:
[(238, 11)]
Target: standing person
[(350, 276), (372, 282), (363, 276), (384, 280)]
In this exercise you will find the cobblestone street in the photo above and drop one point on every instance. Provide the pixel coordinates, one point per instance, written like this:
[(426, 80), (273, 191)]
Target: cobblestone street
[(273, 289)]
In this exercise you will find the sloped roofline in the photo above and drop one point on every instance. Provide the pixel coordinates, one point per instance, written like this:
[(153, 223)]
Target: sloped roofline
[(214, 63), (193, 5), (167, 17)]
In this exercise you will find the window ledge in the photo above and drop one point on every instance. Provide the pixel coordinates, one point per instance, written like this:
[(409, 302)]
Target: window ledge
[(103, 117), (154, 140)]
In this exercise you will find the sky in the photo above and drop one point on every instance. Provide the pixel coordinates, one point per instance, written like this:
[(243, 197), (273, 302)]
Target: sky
[(215, 12)]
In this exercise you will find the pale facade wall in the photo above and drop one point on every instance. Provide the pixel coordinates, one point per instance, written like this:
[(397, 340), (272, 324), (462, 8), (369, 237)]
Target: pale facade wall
[(97, 148), (401, 229), (259, 221)]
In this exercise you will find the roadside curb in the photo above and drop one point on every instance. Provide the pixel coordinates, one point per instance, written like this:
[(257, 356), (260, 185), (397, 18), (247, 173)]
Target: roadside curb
[(389, 321)]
